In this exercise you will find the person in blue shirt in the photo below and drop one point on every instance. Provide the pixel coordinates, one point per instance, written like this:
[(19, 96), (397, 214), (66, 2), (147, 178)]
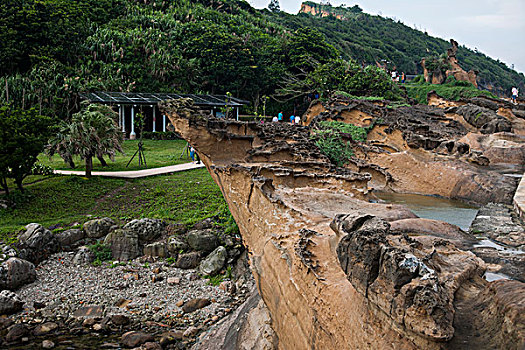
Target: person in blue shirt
[(292, 119), (280, 116)]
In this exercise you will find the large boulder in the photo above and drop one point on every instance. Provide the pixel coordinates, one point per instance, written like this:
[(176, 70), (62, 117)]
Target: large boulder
[(188, 260), (9, 303), (146, 229), (203, 240), (98, 228), (157, 249), (124, 244), (15, 273), (214, 262), (70, 238), (176, 245), (36, 243)]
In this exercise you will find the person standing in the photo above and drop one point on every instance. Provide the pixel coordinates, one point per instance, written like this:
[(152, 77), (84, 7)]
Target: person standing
[(298, 120), (280, 116), (292, 119), (514, 94)]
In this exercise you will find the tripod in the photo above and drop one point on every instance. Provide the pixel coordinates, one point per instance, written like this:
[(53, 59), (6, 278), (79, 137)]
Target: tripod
[(142, 157), (186, 151)]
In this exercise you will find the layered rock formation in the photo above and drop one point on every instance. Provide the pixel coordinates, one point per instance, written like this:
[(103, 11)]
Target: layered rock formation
[(437, 76), (432, 150), (328, 265)]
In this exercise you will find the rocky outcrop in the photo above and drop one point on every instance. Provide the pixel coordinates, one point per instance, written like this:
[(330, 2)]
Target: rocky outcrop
[(438, 142), (329, 269), (452, 68), (98, 228), (36, 243)]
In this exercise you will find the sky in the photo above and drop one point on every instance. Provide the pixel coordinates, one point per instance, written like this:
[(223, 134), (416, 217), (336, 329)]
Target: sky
[(494, 27)]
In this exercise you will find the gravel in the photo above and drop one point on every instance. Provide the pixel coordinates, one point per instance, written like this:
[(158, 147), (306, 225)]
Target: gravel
[(65, 287)]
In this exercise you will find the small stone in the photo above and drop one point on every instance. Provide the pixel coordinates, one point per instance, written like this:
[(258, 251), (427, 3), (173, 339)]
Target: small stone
[(215, 318), (195, 304), (16, 332), (133, 339), (97, 327), (228, 287), (180, 303), (88, 322), (157, 279), (89, 311), (122, 302), (48, 344), (173, 280), (39, 305), (120, 320), (151, 346), (170, 337), (44, 328), (190, 331), (157, 270)]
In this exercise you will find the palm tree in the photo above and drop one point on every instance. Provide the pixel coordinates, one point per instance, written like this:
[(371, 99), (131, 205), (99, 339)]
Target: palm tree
[(92, 132)]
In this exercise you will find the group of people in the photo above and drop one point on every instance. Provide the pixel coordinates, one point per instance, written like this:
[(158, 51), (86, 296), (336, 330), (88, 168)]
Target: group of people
[(293, 119), (396, 77)]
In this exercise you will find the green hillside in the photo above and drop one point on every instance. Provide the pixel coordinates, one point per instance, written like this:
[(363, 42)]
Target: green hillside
[(370, 39), (52, 49)]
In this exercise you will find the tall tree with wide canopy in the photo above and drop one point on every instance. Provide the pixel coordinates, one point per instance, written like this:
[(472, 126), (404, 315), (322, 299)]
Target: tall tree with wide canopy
[(23, 135), (92, 132)]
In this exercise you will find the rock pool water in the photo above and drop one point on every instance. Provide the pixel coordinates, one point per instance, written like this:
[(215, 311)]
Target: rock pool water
[(447, 210)]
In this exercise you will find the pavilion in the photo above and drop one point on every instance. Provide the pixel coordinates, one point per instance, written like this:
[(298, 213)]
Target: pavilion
[(130, 103)]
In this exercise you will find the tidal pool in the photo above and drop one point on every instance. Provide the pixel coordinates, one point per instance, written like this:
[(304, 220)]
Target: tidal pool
[(428, 207)]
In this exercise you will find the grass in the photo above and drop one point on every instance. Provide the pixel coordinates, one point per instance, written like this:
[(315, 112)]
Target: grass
[(452, 90), (185, 197), (158, 153)]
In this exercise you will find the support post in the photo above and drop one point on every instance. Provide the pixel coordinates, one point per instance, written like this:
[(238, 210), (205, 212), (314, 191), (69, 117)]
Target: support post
[(163, 123), (154, 117), (237, 113), (124, 120), (119, 115), (132, 134)]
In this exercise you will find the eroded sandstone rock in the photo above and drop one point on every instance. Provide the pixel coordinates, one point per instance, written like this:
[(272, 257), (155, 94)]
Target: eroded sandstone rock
[(284, 194)]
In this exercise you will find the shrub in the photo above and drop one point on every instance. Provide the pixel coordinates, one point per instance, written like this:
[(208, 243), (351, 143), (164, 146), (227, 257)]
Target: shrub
[(101, 251), (330, 138)]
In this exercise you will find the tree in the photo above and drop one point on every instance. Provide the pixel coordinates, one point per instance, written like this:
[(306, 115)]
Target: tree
[(274, 6), (23, 135), (92, 132)]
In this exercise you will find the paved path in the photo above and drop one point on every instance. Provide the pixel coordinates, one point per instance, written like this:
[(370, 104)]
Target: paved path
[(136, 173)]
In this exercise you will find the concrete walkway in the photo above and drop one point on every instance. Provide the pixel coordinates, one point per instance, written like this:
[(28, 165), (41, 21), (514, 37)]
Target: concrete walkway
[(136, 173)]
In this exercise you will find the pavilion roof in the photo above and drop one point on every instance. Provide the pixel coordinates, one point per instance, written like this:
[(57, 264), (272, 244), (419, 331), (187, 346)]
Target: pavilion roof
[(148, 98)]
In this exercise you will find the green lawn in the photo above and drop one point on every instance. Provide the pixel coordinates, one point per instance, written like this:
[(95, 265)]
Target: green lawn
[(158, 153), (186, 197)]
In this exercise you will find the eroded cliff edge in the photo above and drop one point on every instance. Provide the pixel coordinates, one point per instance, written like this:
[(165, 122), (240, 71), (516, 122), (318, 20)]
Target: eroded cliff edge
[(328, 264)]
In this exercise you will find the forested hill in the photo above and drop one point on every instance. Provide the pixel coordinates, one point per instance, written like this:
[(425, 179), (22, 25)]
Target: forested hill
[(52, 49), (367, 38)]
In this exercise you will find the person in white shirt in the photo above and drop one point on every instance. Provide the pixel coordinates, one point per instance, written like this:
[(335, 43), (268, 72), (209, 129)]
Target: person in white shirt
[(275, 119), (297, 120), (514, 94)]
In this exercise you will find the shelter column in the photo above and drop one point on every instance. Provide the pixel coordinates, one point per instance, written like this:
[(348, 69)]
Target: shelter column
[(163, 123), (237, 113), (154, 116), (124, 120), (119, 115), (132, 134)]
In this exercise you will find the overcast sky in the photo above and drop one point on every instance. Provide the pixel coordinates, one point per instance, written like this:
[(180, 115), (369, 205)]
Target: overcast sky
[(494, 27)]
